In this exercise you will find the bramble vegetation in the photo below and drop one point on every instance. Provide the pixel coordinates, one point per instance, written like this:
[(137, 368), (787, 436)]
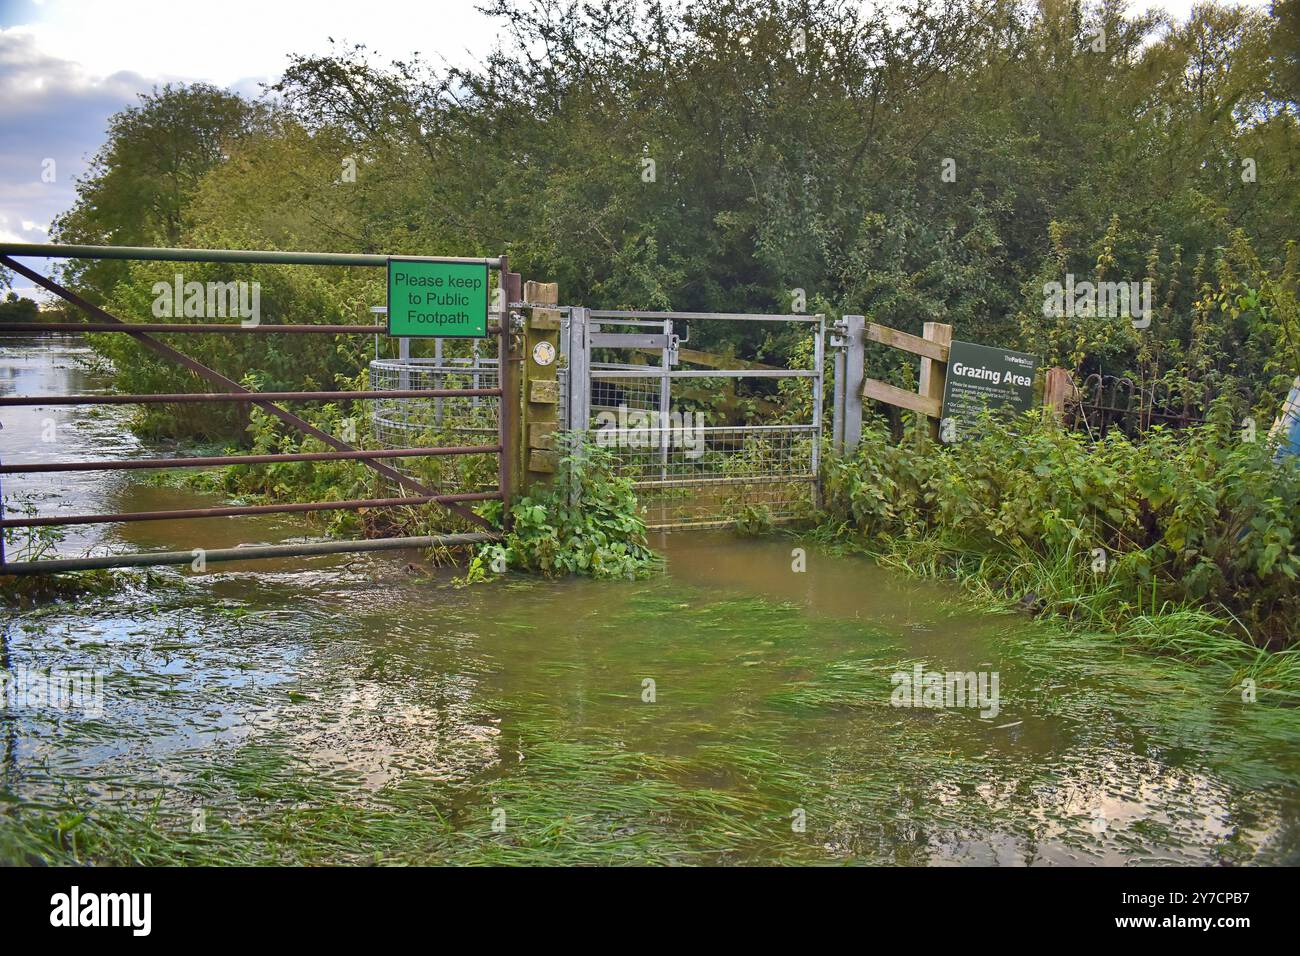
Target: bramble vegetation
[(1113, 535)]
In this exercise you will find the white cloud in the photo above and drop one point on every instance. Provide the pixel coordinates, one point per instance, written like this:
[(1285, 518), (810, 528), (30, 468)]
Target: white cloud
[(233, 42), (67, 66)]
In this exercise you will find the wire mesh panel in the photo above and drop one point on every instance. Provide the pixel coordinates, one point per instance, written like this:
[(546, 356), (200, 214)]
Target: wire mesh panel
[(611, 396), (438, 421), (701, 449), (696, 476)]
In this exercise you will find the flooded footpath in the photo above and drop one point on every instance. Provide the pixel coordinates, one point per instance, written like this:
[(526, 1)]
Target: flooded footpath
[(762, 701)]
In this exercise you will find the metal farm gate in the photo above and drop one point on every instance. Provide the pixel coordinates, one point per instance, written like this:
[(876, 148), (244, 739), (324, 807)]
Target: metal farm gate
[(701, 451), (469, 462)]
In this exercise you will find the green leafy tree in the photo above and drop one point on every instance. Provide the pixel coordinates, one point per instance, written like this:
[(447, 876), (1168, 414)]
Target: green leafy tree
[(139, 184)]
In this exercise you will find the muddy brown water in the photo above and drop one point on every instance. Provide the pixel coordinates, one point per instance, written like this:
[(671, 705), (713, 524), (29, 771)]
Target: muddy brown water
[(733, 709)]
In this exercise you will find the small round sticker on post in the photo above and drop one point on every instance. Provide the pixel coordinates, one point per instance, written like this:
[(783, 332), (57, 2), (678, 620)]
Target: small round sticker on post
[(543, 353)]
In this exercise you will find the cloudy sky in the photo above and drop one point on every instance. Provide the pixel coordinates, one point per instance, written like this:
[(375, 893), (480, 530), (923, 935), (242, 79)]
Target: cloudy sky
[(67, 65)]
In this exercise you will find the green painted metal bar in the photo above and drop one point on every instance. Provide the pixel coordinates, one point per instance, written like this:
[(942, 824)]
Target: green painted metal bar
[(49, 250), (182, 398), (235, 511), (211, 461)]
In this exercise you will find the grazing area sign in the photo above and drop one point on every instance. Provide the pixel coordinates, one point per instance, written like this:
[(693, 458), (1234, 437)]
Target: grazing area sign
[(980, 376), (437, 299)]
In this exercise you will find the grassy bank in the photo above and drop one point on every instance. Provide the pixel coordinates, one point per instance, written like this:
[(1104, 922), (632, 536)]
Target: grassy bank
[(1184, 543)]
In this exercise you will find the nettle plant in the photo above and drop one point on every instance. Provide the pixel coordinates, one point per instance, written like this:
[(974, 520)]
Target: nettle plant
[(586, 521)]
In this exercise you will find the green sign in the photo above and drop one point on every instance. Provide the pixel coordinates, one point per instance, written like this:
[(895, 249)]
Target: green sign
[(440, 299), (980, 376)]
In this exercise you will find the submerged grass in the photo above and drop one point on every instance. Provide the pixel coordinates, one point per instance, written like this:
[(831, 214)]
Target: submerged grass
[(768, 714), (1052, 585), (1182, 543)]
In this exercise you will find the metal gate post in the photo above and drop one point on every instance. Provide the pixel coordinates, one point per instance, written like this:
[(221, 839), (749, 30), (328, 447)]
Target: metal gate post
[(578, 349), (511, 284), (439, 379), (474, 362), (665, 398), (819, 364), (855, 346), (837, 393)]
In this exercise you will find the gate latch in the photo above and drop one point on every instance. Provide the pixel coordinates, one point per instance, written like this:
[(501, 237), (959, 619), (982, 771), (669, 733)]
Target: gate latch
[(839, 333)]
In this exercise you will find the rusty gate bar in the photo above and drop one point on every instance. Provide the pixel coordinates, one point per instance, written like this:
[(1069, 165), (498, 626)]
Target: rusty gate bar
[(131, 464), (258, 397), (231, 511), (511, 285), (234, 392)]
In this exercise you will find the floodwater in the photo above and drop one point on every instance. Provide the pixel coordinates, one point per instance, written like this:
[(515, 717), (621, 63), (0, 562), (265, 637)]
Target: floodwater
[(732, 710)]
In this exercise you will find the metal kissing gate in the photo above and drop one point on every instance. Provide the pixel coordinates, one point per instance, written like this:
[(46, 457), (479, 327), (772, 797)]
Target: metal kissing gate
[(699, 452)]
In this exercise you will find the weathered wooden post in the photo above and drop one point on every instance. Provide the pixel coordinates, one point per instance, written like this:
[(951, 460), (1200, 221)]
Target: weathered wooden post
[(1058, 386), (934, 373), (541, 387), (508, 362)]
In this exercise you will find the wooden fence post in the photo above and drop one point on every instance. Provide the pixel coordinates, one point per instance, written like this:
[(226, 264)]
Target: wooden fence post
[(934, 374), (1058, 386), (541, 387)]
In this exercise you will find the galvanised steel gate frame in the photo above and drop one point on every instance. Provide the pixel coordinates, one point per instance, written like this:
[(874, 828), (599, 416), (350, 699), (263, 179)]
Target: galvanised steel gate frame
[(231, 391), (780, 456)]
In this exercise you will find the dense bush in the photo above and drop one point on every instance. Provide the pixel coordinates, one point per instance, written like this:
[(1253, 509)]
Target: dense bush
[(796, 145), (585, 521), (279, 362), (1197, 518)]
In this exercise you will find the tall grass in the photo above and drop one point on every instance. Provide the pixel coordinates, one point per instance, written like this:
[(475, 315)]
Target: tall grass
[(1186, 544)]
